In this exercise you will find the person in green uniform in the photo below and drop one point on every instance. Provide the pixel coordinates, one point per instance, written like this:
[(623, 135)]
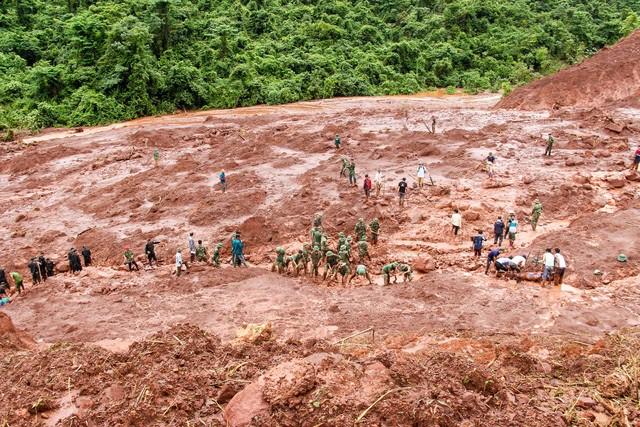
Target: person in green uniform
[(407, 272), (337, 141), (215, 257), (279, 263), (345, 166), (331, 261), (344, 254), (374, 226), (550, 142), (316, 257), (352, 172), (343, 270), (360, 229), (363, 250), (361, 272), (387, 271), (201, 252), (156, 157), (535, 214), (317, 222), (130, 259), (341, 241)]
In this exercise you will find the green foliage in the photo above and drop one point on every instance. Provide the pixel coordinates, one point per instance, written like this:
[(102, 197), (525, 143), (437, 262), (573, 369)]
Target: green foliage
[(90, 62)]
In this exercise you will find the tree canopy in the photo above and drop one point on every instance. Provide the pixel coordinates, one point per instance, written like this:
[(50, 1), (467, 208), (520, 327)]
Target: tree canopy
[(89, 62)]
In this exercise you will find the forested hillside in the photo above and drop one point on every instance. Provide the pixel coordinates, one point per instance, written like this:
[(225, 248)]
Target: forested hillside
[(84, 62)]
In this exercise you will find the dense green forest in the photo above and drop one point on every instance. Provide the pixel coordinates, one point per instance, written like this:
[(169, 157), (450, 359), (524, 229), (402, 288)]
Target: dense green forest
[(88, 62)]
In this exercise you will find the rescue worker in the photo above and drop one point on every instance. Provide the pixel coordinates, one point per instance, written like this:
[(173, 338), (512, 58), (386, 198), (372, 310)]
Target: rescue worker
[(34, 267), (343, 270), (316, 257), (150, 251), (278, 264), (361, 272), (337, 141), (86, 254), (201, 252), (360, 229), (387, 271), (407, 272), (215, 257), (363, 250), (130, 259), (374, 226), (535, 214), (317, 222), (179, 262)]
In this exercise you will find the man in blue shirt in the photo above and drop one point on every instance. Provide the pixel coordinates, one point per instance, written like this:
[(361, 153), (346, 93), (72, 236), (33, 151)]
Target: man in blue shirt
[(493, 255), (237, 246), (477, 243)]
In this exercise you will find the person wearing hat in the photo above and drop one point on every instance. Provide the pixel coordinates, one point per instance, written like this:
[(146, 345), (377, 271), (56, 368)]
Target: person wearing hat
[(223, 181), (278, 264), (622, 258), (407, 272), (324, 243), (316, 257), (179, 262), (387, 271), (343, 254), (317, 222), (215, 257), (535, 214), (360, 229), (331, 262), (150, 251), (374, 227), (352, 173), (130, 259), (491, 257), (561, 266), (341, 241), (34, 267), (363, 250)]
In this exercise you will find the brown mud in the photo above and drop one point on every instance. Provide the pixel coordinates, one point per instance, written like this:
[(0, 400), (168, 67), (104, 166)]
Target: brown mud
[(452, 347)]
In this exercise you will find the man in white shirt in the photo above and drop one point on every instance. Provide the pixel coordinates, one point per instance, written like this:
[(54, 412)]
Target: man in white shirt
[(548, 261), (192, 247), (378, 182), (179, 262), (561, 266), (422, 172), (516, 265), (456, 221), (502, 264)]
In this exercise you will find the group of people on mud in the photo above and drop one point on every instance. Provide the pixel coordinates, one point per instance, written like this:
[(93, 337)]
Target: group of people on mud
[(40, 268), (553, 265), (337, 256)]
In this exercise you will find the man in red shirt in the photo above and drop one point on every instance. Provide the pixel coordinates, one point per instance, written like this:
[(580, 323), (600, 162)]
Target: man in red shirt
[(636, 160), (367, 187)]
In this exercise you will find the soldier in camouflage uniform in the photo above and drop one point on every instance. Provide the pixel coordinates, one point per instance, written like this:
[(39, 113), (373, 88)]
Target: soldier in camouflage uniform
[(352, 172), (318, 221), (215, 258), (312, 235), (344, 255), (305, 258), (348, 243), (374, 226), (387, 271), (278, 265), (324, 243), (407, 272), (360, 229), (316, 257), (360, 271), (535, 214), (344, 271), (341, 241), (331, 261), (298, 262), (201, 252), (317, 237), (345, 165), (363, 250)]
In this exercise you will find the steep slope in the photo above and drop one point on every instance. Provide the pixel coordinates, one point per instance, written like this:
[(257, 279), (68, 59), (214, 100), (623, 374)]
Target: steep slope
[(612, 76)]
